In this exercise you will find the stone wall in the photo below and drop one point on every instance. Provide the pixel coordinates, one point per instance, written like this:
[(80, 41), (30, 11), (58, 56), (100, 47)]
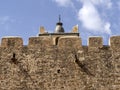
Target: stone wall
[(44, 66)]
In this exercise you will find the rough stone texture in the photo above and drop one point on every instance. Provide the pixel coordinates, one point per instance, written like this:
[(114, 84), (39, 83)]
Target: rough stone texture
[(42, 30), (115, 42), (75, 29), (15, 42), (56, 68), (70, 41), (95, 42), (35, 42)]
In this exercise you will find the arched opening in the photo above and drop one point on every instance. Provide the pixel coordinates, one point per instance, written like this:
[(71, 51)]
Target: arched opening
[(56, 40)]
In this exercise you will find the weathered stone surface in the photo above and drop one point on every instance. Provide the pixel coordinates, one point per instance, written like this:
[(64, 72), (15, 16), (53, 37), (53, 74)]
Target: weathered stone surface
[(37, 42), (70, 41), (75, 29), (13, 42), (95, 42), (115, 42), (42, 30), (54, 68)]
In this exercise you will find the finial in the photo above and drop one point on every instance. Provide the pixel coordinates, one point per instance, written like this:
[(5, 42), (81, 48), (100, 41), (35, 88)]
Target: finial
[(59, 18), (59, 22)]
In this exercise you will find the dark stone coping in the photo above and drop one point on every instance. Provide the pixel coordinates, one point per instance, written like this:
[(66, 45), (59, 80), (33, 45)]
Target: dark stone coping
[(64, 34)]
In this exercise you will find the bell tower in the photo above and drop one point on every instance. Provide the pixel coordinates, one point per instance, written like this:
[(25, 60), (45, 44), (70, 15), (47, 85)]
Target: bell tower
[(59, 28)]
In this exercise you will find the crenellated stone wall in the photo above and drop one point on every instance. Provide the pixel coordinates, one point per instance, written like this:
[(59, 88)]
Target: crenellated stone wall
[(68, 65), (12, 42), (64, 41)]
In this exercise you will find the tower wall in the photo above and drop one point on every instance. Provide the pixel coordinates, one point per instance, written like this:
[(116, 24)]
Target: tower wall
[(43, 66)]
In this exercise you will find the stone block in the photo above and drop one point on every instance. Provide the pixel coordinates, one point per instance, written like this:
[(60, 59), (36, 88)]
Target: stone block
[(95, 42), (114, 42), (13, 42), (39, 42), (70, 41), (75, 29), (42, 30)]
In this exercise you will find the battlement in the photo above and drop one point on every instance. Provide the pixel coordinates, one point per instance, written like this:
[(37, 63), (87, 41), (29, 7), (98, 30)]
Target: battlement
[(63, 41), (59, 63), (11, 42)]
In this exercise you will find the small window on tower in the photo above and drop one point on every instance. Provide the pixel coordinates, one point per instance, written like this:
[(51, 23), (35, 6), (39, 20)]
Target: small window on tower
[(58, 71)]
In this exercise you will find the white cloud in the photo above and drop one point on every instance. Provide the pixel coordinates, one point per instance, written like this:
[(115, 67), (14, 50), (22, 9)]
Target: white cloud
[(91, 19), (64, 3), (89, 16), (107, 27), (106, 3)]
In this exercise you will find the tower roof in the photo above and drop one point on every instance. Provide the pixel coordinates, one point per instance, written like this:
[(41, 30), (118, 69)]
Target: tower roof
[(59, 28)]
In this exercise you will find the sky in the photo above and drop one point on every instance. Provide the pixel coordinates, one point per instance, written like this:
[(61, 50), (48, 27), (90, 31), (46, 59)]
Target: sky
[(23, 18)]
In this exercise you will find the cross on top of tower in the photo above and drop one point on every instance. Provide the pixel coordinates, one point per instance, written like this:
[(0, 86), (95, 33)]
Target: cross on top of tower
[(59, 18)]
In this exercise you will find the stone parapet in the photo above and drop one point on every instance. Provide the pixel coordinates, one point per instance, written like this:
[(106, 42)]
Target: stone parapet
[(62, 41), (36, 67), (70, 41), (12, 42), (95, 42), (114, 42), (38, 42)]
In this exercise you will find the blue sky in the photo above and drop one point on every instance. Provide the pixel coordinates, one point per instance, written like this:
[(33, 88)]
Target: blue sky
[(94, 17)]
